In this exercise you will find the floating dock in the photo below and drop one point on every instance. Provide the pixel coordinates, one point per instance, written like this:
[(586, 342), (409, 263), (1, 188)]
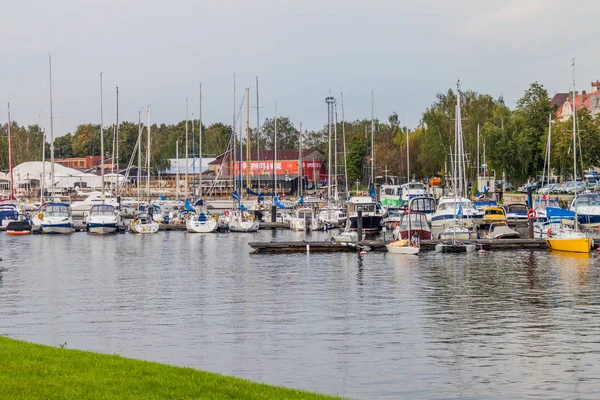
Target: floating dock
[(327, 246)]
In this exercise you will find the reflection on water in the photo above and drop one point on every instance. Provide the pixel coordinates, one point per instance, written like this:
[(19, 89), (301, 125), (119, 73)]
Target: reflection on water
[(494, 325)]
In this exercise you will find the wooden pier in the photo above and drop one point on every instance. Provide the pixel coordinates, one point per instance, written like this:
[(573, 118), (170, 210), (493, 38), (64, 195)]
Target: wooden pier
[(326, 246)]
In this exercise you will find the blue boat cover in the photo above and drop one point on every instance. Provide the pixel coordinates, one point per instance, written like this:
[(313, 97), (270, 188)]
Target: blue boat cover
[(556, 213)]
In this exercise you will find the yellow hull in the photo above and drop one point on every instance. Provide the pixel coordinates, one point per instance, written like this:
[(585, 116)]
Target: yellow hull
[(575, 245)]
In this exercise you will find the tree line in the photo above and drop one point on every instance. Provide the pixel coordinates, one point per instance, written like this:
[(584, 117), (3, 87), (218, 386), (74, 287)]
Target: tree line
[(514, 139)]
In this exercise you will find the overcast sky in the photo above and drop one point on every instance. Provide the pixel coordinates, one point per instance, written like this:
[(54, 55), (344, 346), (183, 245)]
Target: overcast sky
[(158, 51)]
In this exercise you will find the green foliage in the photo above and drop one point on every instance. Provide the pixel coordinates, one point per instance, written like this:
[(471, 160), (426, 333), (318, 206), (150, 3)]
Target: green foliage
[(287, 134), (30, 371)]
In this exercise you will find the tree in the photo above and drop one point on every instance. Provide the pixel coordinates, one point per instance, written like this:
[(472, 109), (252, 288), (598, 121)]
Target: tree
[(287, 134)]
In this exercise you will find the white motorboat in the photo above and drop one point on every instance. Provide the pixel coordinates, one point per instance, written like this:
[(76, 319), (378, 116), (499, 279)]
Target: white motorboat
[(79, 208), (201, 222), (56, 218), (455, 247), (453, 207), (332, 216), (102, 219), (304, 220), (143, 224), (500, 230), (456, 230), (371, 213)]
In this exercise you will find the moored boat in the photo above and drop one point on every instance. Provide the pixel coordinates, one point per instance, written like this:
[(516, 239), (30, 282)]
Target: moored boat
[(17, 228), (402, 247), (57, 219), (102, 219)]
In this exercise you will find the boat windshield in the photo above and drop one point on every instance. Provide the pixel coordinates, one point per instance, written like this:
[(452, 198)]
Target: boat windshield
[(466, 205), (102, 210), (494, 211), (417, 221), (587, 200), (425, 205), (58, 211)]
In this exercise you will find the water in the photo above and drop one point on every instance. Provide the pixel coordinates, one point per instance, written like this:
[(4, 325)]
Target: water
[(496, 325)]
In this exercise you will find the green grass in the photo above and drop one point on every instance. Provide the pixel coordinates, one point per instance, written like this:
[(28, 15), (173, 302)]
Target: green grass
[(31, 371)]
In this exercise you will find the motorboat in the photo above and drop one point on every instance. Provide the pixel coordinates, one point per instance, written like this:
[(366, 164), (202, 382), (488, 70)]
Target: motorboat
[(411, 190), (455, 247), (8, 213), (332, 216), (79, 208), (392, 219), (403, 247), (500, 230), (423, 204), (143, 224), (587, 206), (411, 223), (457, 230), (516, 212), (201, 222), (371, 213), (304, 220), (102, 219), (493, 214), (453, 207), (390, 196), (57, 218)]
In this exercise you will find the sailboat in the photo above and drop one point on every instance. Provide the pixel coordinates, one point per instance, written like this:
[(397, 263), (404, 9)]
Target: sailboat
[(143, 223), (201, 221), (567, 238), (103, 218), (457, 229), (410, 245)]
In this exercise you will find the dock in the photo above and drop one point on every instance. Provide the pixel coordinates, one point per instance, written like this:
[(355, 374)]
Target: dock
[(273, 225), (327, 246)]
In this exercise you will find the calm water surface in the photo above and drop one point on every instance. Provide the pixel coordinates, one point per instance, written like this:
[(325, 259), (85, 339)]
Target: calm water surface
[(496, 325)]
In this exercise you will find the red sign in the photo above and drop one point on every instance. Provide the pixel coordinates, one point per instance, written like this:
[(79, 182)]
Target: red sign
[(281, 167)]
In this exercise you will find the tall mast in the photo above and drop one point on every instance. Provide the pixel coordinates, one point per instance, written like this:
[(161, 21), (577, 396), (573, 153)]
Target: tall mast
[(42, 185), (233, 135), (275, 155), (177, 170), (186, 148), (148, 156), (116, 160), (139, 175), (372, 139), (574, 131), (241, 142), (459, 155), (193, 160), (51, 131), (200, 142), (248, 164), (407, 155), (477, 178), (258, 133), (344, 137), (101, 138), (549, 151), (329, 101), (335, 154), (300, 179), (10, 159)]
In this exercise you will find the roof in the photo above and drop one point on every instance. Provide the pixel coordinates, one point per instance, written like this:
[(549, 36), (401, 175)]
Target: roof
[(587, 100), (559, 99)]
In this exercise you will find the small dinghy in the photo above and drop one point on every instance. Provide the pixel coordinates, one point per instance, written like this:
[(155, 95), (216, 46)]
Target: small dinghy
[(18, 228), (403, 247)]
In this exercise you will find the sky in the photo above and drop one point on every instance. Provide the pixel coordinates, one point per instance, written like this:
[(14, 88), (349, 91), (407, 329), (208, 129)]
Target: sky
[(158, 52)]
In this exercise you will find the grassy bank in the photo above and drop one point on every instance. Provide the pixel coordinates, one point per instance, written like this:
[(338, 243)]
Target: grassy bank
[(30, 371)]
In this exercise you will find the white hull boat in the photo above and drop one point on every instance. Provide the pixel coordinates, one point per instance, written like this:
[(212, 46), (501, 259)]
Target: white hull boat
[(402, 247), (201, 224)]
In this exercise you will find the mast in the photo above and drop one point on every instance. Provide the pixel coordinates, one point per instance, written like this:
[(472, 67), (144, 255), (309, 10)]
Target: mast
[(10, 159), (344, 137), (139, 175), (241, 152), (177, 170), (335, 154), (574, 147), (329, 101), (275, 155), (200, 143), (232, 171), (148, 156), (43, 166), (407, 157), (248, 164), (372, 140), (193, 161), (549, 152), (51, 131), (300, 172), (258, 133), (186, 148), (116, 159), (477, 179), (102, 138)]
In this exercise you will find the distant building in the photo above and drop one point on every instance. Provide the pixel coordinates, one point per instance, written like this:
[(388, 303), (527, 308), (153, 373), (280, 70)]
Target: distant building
[(590, 100), (79, 163)]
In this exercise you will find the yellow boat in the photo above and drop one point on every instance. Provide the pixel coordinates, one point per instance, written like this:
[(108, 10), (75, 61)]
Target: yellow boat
[(573, 245), (494, 214)]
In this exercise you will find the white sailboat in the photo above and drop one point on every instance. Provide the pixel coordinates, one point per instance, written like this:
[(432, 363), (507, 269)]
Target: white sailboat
[(143, 223)]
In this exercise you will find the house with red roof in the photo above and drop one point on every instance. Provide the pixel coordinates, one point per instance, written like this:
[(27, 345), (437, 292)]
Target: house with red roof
[(590, 100)]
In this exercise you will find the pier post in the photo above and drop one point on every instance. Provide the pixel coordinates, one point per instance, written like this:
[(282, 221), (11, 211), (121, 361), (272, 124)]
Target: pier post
[(530, 206), (273, 213), (359, 224)]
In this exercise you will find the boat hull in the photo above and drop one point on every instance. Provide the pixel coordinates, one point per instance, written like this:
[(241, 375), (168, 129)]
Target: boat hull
[(454, 248), (208, 226), (245, 226), (144, 228), (18, 228), (57, 229), (573, 245), (402, 250), (370, 223), (102, 229)]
